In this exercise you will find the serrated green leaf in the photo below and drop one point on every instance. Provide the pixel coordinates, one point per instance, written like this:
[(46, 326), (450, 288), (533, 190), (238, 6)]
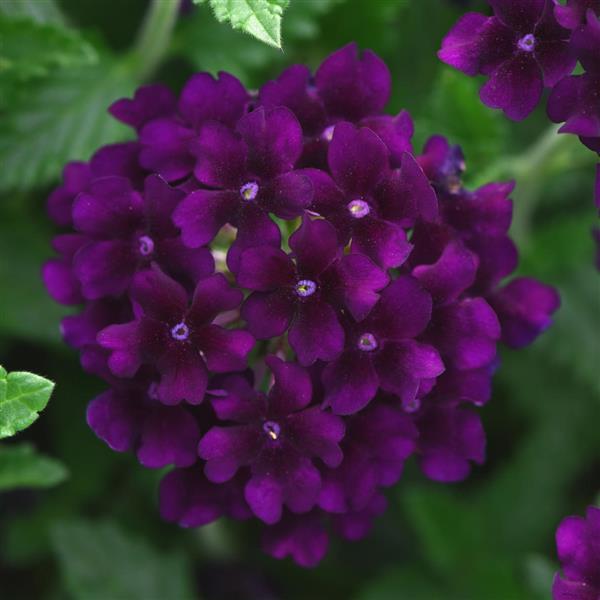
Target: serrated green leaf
[(22, 396), (99, 561), (48, 46), (21, 466), (259, 18), (59, 119)]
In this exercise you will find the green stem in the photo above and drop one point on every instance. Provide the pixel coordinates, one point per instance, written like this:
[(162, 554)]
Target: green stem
[(154, 36)]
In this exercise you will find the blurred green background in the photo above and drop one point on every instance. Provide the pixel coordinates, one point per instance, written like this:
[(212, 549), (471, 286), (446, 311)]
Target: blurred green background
[(98, 534)]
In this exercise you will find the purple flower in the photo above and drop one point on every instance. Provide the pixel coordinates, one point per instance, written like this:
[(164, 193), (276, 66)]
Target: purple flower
[(57, 273), (252, 171), (278, 436), (176, 337), (306, 295), (576, 99), (127, 231), (76, 177), (366, 201), (572, 14), (165, 140), (443, 164), (381, 353), (149, 102), (578, 544), (522, 49)]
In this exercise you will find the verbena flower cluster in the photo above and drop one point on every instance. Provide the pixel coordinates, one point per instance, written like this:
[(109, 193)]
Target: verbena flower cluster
[(578, 544), (529, 45), (285, 302)]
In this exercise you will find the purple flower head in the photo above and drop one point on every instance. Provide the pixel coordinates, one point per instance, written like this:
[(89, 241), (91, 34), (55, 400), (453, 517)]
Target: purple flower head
[(76, 177), (278, 436), (128, 230), (575, 99), (578, 544), (252, 171), (306, 294), (149, 102), (367, 202), (57, 273), (443, 164), (177, 337), (522, 49), (381, 351), (572, 14)]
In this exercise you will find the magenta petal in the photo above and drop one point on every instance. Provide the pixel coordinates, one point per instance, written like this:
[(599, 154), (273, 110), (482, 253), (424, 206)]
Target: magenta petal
[(357, 159), (221, 156), (169, 436), (124, 342), (315, 246), (205, 98), (292, 390), (520, 15), (60, 282), (353, 86), (563, 589), (395, 132), (264, 495), (302, 485), (149, 102), (212, 296), (269, 314), (274, 140), (316, 333), (350, 382), (76, 176), (226, 350), (201, 214), (515, 87), (265, 269)]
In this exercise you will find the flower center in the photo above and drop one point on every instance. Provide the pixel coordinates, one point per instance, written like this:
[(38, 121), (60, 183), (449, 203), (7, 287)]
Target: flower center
[(358, 208), (327, 134), (249, 191), (411, 406), (146, 245), (367, 342), (305, 288), (180, 332), (527, 42), (272, 429)]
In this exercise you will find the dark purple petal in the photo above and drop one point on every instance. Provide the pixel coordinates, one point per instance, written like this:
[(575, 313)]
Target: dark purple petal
[(181, 261), (274, 140), (354, 282), (159, 296), (220, 155), (264, 495), (265, 269), (573, 13), (121, 160), (75, 177), (350, 382), (525, 308), (183, 376), (520, 15), (149, 102), (110, 208), (315, 246), (60, 282), (556, 59), (356, 525), (212, 296), (292, 389), (586, 43), (124, 342), (357, 159), (563, 589), (316, 333), (302, 537), (226, 350), (327, 197), (201, 215), (515, 87), (268, 315), (385, 243), (205, 98), (353, 86), (302, 485), (396, 133), (287, 196)]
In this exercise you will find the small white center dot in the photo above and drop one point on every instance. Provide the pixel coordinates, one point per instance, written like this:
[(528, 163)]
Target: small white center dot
[(180, 332), (272, 429), (146, 245), (305, 288), (358, 208), (367, 342), (249, 191)]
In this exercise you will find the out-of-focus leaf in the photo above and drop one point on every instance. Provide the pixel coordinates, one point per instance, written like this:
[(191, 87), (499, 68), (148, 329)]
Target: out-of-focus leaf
[(47, 47), (59, 119), (539, 572), (21, 466), (100, 561), (46, 11), (22, 396), (403, 584), (260, 18)]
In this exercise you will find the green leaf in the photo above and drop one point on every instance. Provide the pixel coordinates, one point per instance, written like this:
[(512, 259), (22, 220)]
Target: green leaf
[(22, 466), (48, 47), (404, 583), (62, 118), (260, 18), (40, 12), (100, 561), (22, 396)]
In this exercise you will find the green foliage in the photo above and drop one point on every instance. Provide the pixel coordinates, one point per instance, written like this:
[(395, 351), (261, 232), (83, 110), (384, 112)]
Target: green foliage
[(259, 18), (22, 396), (22, 466), (99, 561), (48, 47), (40, 12)]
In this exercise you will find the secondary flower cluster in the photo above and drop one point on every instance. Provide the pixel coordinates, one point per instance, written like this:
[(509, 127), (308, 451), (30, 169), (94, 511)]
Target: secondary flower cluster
[(578, 544), (529, 45), (285, 301)]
